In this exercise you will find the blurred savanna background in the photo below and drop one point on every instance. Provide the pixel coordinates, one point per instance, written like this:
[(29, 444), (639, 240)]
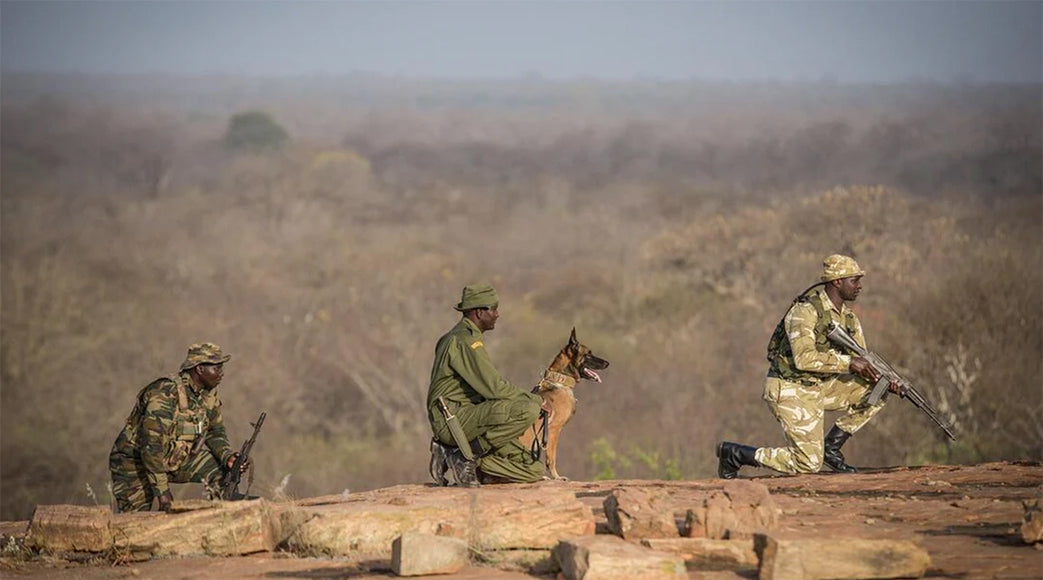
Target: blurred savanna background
[(320, 228), (321, 237)]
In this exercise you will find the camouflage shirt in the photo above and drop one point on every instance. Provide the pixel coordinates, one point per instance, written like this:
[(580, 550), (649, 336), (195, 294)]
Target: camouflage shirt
[(170, 422), (464, 373), (808, 355)]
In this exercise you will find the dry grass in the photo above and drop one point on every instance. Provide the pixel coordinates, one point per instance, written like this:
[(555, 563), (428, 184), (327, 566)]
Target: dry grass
[(673, 244)]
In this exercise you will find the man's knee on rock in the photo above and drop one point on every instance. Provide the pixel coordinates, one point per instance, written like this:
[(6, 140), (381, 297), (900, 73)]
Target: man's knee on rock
[(807, 463)]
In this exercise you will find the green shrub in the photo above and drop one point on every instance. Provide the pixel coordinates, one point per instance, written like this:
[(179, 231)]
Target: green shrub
[(255, 131)]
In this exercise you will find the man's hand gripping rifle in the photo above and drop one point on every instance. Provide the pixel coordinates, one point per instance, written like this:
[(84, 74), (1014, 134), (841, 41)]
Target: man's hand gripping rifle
[(888, 375), (230, 489)]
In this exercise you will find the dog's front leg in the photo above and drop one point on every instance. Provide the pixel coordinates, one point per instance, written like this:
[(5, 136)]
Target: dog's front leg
[(553, 432)]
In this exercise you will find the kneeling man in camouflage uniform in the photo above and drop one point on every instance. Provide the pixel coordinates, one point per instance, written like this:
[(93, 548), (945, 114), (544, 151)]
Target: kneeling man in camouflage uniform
[(491, 412), (808, 375), (174, 435)]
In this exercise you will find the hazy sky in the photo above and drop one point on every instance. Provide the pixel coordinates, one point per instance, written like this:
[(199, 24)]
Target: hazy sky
[(849, 41)]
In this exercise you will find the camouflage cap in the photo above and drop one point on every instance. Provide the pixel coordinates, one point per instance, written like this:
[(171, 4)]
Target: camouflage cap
[(477, 296), (838, 266), (204, 353)]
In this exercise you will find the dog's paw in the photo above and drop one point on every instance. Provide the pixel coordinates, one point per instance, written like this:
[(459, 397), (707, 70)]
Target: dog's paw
[(560, 478)]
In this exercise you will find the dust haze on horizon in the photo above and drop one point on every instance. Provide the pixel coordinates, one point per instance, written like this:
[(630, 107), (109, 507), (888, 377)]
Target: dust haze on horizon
[(849, 42)]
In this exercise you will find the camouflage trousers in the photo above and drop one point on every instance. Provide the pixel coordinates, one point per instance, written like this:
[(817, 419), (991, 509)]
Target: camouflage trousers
[(497, 425), (130, 484), (800, 409)]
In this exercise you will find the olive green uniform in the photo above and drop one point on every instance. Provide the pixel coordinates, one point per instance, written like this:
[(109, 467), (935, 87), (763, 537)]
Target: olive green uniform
[(175, 434), (808, 376), (489, 407)]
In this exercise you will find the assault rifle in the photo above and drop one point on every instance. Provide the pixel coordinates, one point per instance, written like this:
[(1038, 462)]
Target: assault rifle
[(888, 375), (230, 489)]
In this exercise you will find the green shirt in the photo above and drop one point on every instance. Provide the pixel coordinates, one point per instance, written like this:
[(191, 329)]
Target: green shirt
[(463, 373)]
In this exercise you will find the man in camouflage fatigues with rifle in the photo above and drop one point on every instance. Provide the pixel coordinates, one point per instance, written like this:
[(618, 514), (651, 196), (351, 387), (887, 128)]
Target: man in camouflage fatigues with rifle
[(808, 375), (174, 435), (490, 411)]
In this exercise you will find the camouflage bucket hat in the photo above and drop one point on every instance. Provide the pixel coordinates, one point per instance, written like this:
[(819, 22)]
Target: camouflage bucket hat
[(837, 266), (477, 296), (204, 353)]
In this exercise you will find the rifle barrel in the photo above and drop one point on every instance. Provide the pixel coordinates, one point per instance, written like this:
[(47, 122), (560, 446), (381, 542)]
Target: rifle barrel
[(230, 489), (838, 335)]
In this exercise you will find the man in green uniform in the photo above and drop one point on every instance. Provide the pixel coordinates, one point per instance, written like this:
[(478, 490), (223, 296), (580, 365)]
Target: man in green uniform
[(174, 435), (808, 375), (491, 411)]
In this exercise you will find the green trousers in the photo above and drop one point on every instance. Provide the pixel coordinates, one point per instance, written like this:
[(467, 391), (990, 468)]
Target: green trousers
[(497, 425), (130, 483)]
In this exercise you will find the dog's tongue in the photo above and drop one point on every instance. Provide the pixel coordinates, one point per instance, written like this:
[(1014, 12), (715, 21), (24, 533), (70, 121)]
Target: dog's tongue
[(593, 375)]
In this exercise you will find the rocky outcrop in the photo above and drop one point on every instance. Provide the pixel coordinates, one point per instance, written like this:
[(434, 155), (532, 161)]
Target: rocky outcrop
[(634, 514), (738, 511), (971, 520), (488, 518)]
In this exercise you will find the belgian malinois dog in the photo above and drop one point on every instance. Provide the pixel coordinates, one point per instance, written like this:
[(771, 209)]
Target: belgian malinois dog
[(573, 363)]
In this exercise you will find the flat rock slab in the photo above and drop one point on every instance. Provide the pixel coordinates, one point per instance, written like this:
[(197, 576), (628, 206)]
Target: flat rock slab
[(839, 559), (708, 554), (488, 518), (607, 557), (16, 529), (539, 562), (226, 529), (416, 554)]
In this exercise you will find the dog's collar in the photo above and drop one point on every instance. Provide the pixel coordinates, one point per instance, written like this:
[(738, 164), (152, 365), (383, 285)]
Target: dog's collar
[(559, 380)]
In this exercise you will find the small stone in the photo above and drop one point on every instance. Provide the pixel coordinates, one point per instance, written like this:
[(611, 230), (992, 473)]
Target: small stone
[(417, 554)]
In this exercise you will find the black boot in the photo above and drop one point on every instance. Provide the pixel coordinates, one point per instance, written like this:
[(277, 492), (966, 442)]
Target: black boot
[(832, 455), (464, 470), (439, 463), (732, 456)]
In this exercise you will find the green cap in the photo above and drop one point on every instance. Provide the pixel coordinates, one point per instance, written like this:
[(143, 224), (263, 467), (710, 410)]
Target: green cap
[(477, 296), (837, 266), (204, 353)]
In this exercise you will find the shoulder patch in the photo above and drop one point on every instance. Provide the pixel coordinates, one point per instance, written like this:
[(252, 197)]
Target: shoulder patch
[(476, 344)]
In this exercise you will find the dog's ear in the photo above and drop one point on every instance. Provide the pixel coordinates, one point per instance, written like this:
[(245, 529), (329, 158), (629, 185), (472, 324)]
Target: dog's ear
[(572, 338)]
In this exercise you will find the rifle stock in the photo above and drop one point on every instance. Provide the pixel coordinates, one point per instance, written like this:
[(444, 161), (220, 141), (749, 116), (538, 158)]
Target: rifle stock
[(888, 375), (230, 488)]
